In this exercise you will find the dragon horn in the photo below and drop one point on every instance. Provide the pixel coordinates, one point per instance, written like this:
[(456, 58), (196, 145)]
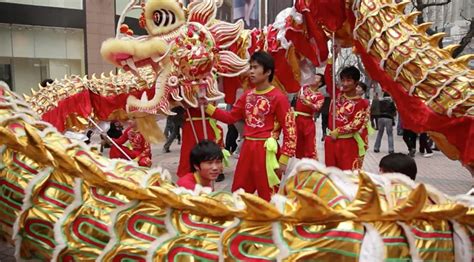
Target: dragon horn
[(366, 205), (411, 17), (450, 48), (465, 59), (258, 209), (423, 27), (211, 207), (411, 207), (434, 39), (35, 146), (402, 5)]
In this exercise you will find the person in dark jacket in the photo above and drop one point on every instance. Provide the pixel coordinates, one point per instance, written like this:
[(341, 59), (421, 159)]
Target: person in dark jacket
[(375, 111), (388, 111)]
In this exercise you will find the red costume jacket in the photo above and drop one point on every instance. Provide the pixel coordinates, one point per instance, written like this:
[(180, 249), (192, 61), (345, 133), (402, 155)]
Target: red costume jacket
[(309, 101), (264, 113), (190, 180)]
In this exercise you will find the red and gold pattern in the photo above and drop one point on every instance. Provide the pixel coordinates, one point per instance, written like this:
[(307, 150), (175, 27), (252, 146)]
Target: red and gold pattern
[(73, 204), (431, 89)]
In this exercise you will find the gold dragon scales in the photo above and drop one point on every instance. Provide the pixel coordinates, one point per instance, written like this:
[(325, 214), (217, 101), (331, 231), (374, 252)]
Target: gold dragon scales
[(61, 200)]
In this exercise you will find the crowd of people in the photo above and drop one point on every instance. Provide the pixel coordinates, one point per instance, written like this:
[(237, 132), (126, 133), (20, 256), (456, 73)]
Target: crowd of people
[(258, 118)]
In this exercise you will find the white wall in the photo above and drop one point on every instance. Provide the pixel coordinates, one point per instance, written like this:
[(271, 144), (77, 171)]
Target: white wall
[(58, 68), (59, 51), (26, 75)]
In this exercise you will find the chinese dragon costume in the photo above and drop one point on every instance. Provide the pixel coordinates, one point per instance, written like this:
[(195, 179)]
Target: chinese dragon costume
[(62, 200)]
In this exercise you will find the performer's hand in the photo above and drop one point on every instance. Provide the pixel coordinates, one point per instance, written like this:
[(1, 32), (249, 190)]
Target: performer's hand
[(282, 169), (333, 134)]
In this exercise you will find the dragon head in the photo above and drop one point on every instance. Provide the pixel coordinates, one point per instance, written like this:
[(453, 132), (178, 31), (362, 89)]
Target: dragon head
[(185, 48)]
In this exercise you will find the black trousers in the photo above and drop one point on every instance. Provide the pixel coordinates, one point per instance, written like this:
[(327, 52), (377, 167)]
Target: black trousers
[(410, 139), (425, 145), (231, 138), (324, 123)]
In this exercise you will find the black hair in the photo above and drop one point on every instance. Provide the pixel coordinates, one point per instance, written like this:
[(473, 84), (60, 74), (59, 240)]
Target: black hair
[(350, 72), (399, 163), (266, 61), (47, 81), (363, 86), (385, 94), (205, 150), (322, 82)]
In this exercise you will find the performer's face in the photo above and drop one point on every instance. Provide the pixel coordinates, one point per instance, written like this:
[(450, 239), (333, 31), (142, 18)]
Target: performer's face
[(348, 85), (317, 81), (210, 169), (256, 74)]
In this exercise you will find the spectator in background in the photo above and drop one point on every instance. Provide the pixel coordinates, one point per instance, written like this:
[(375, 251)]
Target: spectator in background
[(388, 111), (47, 81), (361, 89), (375, 111), (398, 163)]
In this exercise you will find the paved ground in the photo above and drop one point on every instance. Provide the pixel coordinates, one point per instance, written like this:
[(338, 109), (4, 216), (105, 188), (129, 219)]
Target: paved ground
[(448, 176)]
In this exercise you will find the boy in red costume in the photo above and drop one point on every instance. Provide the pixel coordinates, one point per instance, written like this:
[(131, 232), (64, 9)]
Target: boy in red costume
[(206, 165), (193, 132), (346, 143), (261, 108), (308, 102), (140, 149)]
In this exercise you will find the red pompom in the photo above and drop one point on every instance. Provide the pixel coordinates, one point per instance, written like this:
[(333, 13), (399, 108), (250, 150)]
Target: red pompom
[(130, 32), (123, 28)]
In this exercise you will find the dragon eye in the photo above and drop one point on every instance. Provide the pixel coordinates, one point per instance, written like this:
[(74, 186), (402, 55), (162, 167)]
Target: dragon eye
[(163, 17)]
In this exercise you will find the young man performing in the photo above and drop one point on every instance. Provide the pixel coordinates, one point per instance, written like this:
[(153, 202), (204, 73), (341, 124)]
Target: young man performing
[(206, 165), (346, 143), (193, 130), (308, 102), (261, 108)]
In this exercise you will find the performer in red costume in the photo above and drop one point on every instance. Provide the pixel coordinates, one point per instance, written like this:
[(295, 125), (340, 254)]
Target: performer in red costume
[(193, 133), (346, 143), (139, 148), (308, 102), (260, 107), (206, 165)]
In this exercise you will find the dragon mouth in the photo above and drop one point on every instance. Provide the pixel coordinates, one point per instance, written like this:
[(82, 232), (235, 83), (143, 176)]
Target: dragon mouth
[(164, 17)]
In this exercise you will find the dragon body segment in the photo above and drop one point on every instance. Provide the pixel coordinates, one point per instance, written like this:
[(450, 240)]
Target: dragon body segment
[(67, 202), (62, 200)]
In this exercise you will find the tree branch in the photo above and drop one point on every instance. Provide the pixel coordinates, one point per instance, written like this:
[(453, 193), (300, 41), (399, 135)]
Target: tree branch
[(466, 39)]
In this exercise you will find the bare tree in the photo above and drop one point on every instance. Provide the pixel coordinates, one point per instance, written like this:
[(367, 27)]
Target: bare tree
[(466, 39), (422, 5)]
